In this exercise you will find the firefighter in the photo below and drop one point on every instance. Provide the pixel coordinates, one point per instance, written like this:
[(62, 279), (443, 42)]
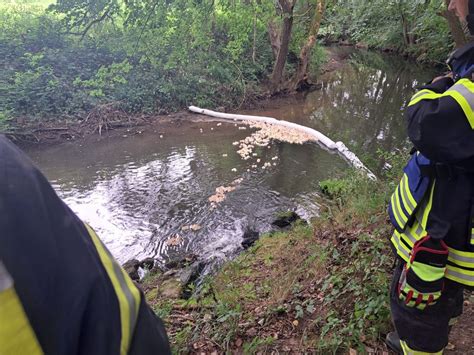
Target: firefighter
[(432, 208), (61, 291)]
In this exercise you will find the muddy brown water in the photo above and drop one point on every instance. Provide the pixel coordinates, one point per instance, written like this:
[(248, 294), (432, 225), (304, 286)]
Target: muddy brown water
[(142, 192)]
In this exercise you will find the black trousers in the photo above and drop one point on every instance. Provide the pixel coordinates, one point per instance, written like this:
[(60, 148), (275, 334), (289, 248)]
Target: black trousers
[(425, 330)]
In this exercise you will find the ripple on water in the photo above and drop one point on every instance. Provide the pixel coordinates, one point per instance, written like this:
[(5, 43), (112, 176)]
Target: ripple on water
[(138, 193)]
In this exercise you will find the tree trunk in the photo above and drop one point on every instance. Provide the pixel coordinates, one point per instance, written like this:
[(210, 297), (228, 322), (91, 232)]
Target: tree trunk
[(278, 70), (455, 27), (254, 49), (274, 34), (300, 78)]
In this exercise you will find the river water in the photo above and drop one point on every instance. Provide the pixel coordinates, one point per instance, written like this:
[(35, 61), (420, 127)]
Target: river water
[(142, 193)]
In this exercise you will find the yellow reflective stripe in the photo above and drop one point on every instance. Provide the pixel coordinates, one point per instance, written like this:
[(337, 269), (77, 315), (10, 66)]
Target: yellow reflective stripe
[(408, 192), (127, 294), (397, 210), (405, 202), (403, 251), (412, 234), (399, 192), (461, 276), (409, 236), (408, 351), (427, 209), (16, 334), (420, 95), (462, 92), (461, 258), (429, 96), (465, 107), (394, 210)]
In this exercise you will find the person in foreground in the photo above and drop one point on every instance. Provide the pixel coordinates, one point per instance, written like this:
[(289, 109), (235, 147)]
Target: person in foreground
[(61, 291), (432, 208)]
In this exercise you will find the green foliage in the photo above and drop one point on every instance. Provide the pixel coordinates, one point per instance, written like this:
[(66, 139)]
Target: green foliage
[(146, 56), (256, 344), (163, 310), (150, 56), (363, 284), (334, 188), (406, 26)]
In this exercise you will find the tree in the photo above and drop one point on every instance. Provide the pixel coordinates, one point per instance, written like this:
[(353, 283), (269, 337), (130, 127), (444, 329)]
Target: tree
[(286, 8), (455, 26), (299, 78)]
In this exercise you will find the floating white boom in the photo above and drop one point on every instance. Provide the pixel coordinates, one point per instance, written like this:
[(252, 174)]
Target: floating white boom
[(318, 136)]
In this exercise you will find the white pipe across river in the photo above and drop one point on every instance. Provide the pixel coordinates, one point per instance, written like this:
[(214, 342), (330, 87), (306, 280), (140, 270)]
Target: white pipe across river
[(317, 136)]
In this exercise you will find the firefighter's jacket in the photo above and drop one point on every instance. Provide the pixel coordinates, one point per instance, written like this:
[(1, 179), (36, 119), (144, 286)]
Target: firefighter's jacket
[(61, 291), (436, 193)]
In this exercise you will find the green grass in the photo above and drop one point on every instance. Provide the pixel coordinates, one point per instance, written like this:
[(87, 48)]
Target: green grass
[(328, 280)]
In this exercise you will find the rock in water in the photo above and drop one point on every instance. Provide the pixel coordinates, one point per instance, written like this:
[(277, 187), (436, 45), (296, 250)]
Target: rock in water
[(181, 262), (286, 219), (147, 263), (131, 268), (249, 238)]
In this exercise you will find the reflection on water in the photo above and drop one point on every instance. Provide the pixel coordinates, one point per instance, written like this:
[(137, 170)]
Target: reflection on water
[(139, 192), (360, 104)]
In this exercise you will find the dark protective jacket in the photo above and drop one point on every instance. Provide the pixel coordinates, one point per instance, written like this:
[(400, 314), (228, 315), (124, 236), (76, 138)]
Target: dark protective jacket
[(61, 292), (440, 121)]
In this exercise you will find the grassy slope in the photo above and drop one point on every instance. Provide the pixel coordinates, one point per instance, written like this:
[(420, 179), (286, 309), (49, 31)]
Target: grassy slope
[(320, 288)]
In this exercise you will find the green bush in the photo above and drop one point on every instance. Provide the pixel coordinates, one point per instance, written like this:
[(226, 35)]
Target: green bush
[(189, 56)]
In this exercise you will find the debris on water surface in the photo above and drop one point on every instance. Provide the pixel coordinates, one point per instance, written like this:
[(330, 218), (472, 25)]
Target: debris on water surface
[(264, 134), (173, 241), (195, 227), (221, 192)]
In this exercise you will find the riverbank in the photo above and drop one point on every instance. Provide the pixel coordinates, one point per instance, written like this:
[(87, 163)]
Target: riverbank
[(110, 120), (318, 288)]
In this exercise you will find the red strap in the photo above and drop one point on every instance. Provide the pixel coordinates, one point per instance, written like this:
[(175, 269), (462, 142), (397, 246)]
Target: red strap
[(418, 247), (409, 296), (419, 299), (430, 299)]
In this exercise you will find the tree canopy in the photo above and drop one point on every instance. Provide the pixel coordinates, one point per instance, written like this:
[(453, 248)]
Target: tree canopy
[(62, 59)]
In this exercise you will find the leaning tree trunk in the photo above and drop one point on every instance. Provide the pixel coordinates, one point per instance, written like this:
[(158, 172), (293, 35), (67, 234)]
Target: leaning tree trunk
[(455, 27), (278, 70), (274, 34), (301, 74)]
